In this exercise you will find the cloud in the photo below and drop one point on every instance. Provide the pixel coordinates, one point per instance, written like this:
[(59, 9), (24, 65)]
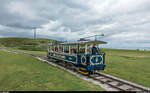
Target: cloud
[(125, 23), (51, 25)]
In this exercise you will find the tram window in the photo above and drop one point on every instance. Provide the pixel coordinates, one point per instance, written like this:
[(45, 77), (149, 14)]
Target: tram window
[(73, 51), (56, 49), (60, 49), (49, 48), (82, 50), (52, 48), (66, 49), (89, 49)]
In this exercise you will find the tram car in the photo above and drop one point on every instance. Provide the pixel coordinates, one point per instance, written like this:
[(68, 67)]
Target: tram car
[(79, 55)]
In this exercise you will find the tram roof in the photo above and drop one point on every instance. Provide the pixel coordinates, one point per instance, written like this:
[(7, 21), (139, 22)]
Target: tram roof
[(81, 43)]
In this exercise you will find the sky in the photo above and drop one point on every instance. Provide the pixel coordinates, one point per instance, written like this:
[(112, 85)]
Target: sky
[(124, 23)]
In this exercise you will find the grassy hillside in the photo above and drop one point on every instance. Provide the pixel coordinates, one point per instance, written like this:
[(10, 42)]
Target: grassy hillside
[(26, 43), (132, 65), (25, 73)]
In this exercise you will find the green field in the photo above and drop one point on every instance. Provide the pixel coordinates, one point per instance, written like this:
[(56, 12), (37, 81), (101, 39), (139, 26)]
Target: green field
[(40, 53), (131, 65), (25, 73)]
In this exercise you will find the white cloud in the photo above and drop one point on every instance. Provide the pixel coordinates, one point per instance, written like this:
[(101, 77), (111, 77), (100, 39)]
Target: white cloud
[(2, 27), (120, 20), (132, 36), (51, 25), (21, 9)]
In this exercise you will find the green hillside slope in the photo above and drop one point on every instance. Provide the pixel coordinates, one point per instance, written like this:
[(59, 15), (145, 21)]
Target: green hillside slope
[(26, 43)]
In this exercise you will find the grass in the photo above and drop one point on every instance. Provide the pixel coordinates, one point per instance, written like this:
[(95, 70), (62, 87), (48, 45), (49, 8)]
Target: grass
[(40, 53), (131, 65), (38, 44), (16, 41), (25, 73)]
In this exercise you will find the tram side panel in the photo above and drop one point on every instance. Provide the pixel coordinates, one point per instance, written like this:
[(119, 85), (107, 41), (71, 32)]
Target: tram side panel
[(92, 62), (82, 60), (63, 57), (89, 61), (96, 62)]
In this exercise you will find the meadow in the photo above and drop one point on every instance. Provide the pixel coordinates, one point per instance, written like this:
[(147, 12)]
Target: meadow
[(25, 73), (131, 65)]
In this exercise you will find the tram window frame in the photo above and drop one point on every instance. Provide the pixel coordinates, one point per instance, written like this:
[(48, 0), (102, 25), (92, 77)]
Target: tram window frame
[(49, 48), (53, 48), (66, 49), (56, 48), (89, 49), (81, 47), (61, 48), (73, 49)]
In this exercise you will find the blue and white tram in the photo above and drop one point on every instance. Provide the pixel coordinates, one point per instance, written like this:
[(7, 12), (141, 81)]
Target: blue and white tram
[(79, 54)]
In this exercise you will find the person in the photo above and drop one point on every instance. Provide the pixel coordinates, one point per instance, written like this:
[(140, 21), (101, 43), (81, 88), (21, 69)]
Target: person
[(94, 49)]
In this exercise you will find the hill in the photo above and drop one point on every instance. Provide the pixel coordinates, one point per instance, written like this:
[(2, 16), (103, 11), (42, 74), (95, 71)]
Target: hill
[(26, 43)]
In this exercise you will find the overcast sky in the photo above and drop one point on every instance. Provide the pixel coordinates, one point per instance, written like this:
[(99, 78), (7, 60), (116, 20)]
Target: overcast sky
[(125, 23)]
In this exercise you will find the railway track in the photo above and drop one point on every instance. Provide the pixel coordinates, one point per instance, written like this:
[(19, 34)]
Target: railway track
[(113, 82), (117, 83)]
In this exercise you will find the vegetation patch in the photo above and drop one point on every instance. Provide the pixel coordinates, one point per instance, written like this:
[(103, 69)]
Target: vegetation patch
[(39, 44), (25, 73), (131, 65)]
